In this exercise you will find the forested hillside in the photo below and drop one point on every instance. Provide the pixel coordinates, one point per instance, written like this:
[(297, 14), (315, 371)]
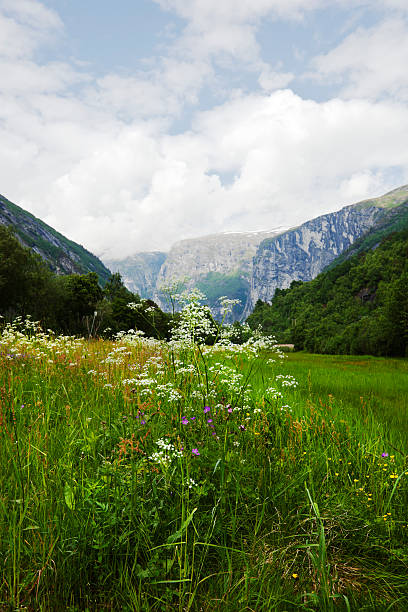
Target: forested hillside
[(61, 254), (360, 306), (69, 303)]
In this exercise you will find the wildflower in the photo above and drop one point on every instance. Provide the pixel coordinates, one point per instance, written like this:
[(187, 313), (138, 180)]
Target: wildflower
[(384, 455), (207, 409), (242, 427), (184, 420), (195, 452), (230, 409), (209, 420), (295, 576)]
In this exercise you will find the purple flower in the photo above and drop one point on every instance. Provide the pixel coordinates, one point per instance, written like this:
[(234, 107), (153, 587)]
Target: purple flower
[(229, 409), (192, 418), (207, 409), (384, 455), (184, 420), (242, 427), (143, 422), (195, 452), (209, 420)]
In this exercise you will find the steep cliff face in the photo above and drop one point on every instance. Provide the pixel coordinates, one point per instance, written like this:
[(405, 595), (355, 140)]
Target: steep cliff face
[(140, 271), (62, 255), (303, 252), (213, 263)]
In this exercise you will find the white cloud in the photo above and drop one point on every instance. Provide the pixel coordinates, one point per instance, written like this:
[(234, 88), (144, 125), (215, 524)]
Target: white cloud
[(204, 13), (24, 26), (270, 79), (370, 62), (289, 160)]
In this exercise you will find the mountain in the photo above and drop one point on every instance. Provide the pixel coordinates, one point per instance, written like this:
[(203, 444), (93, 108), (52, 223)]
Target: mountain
[(61, 254), (249, 266), (303, 252), (357, 306), (140, 271), (219, 265)]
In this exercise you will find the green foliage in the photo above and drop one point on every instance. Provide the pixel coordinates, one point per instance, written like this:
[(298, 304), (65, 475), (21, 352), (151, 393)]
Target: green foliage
[(25, 282), (216, 285), (73, 303), (358, 307)]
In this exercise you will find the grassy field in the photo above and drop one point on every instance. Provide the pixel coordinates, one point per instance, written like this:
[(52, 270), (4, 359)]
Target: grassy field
[(363, 388), (142, 476)]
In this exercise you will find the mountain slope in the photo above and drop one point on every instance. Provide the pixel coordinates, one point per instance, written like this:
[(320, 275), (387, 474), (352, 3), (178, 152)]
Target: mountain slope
[(303, 252), (140, 271), (395, 220), (61, 254), (251, 265), (359, 306)]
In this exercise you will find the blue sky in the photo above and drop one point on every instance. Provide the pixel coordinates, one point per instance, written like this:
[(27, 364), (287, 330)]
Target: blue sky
[(131, 125)]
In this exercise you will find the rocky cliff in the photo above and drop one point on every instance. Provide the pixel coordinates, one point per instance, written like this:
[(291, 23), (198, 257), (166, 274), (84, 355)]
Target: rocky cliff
[(303, 252), (219, 264), (140, 271), (62, 255)]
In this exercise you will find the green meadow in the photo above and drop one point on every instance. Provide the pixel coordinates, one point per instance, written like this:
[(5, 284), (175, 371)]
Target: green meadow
[(365, 388), (143, 475)]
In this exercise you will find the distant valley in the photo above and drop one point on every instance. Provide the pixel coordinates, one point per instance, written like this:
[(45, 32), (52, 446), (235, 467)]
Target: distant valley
[(251, 266), (245, 266)]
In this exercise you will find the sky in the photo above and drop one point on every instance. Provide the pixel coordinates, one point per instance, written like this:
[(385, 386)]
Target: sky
[(133, 124)]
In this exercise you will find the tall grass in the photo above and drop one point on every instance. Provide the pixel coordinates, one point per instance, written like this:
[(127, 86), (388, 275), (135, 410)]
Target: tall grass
[(136, 476)]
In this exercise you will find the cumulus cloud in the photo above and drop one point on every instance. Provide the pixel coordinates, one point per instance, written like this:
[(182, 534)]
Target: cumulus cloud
[(370, 62), (289, 160)]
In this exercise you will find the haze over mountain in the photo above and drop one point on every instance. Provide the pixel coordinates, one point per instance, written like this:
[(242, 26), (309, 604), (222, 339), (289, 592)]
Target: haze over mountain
[(247, 266)]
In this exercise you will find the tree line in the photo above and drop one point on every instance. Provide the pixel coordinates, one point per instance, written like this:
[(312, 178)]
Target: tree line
[(71, 304)]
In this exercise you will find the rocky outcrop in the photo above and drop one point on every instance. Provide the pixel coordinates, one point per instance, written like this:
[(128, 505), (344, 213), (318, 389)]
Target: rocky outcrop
[(139, 272), (303, 252)]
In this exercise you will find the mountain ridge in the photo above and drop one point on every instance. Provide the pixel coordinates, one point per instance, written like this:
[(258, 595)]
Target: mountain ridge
[(63, 256)]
